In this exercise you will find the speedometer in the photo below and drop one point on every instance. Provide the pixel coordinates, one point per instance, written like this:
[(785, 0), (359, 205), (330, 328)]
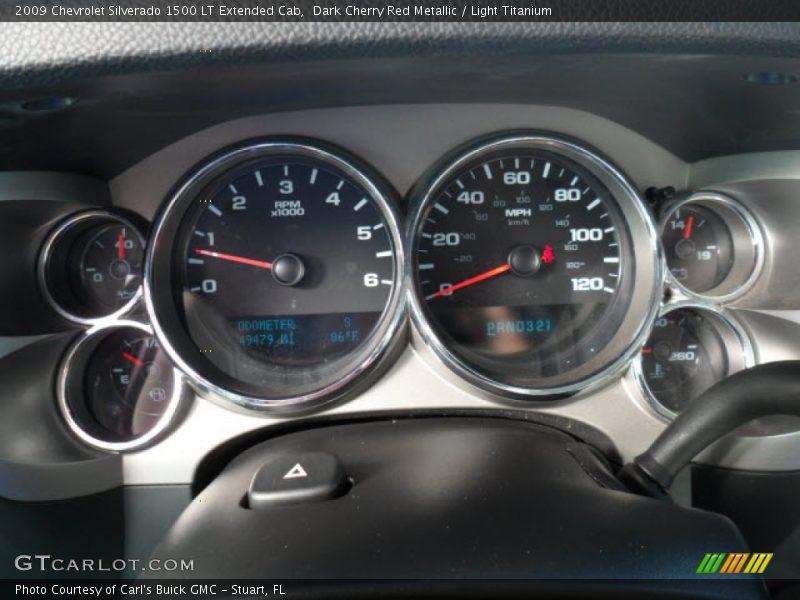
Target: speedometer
[(275, 275), (535, 267)]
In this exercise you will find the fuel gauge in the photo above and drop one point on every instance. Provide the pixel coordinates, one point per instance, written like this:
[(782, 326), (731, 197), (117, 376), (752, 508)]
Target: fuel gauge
[(118, 390), (90, 266)]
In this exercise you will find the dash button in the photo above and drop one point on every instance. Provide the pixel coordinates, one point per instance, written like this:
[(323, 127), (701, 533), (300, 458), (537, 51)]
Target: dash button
[(300, 477)]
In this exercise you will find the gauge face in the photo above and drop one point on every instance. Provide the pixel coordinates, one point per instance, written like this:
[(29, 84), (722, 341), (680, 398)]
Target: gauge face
[(523, 265), (713, 246), (128, 383), (110, 267), (117, 390), (699, 247), (286, 274), (684, 356), (91, 266)]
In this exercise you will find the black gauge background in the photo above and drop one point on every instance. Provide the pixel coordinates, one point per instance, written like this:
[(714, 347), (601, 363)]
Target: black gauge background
[(165, 267), (683, 381), (61, 271), (709, 229), (254, 290), (523, 369), (103, 298), (123, 414)]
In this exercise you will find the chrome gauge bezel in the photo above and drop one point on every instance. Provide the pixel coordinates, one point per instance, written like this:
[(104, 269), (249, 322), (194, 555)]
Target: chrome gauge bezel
[(165, 317), (747, 235), (739, 347), (648, 278), (69, 380), (82, 219)]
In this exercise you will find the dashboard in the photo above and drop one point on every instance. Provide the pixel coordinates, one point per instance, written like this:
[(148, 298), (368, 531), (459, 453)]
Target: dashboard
[(328, 263), (307, 300)]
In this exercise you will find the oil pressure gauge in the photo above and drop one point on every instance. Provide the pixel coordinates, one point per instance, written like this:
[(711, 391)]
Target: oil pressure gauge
[(90, 267)]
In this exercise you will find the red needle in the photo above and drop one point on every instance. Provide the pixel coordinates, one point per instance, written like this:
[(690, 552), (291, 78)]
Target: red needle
[(472, 280), (688, 232), (121, 246), (262, 264), (647, 350), (133, 359)]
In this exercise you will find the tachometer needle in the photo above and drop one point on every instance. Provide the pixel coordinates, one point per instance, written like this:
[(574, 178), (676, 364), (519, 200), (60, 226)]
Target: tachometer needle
[(133, 359), (472, 280), (121, 246), (261, 264), (688, 232)]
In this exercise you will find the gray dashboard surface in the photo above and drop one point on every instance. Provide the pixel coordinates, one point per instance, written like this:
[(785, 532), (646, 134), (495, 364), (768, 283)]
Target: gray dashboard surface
[(43, 53), (680, 84)]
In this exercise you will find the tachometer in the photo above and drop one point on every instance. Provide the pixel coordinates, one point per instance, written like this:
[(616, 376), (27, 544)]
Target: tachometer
[(275, 277), (535, 266)]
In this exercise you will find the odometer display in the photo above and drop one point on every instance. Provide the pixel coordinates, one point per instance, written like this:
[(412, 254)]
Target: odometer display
[(524, 266), (286, 274)]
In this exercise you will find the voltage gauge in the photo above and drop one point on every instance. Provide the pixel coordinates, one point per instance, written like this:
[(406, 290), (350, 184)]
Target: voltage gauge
[(713, 246)]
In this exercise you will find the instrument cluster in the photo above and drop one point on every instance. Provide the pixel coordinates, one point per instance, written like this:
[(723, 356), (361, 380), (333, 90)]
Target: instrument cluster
[(279, 275)]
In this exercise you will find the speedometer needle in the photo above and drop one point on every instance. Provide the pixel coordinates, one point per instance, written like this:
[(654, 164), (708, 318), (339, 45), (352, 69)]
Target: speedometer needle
[(261, 264), (471, 281)]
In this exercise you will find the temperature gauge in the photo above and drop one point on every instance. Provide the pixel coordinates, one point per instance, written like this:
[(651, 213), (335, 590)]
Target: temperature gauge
[(689, 350), (91, 266), (713, 246), (118, 390)]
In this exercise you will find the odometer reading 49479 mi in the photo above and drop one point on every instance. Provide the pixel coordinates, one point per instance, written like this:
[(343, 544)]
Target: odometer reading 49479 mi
[(524, 264)]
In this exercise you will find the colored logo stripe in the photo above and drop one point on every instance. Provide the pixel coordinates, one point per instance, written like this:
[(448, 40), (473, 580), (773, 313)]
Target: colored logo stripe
[(711, 563), (733, 563), (758, 564)]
